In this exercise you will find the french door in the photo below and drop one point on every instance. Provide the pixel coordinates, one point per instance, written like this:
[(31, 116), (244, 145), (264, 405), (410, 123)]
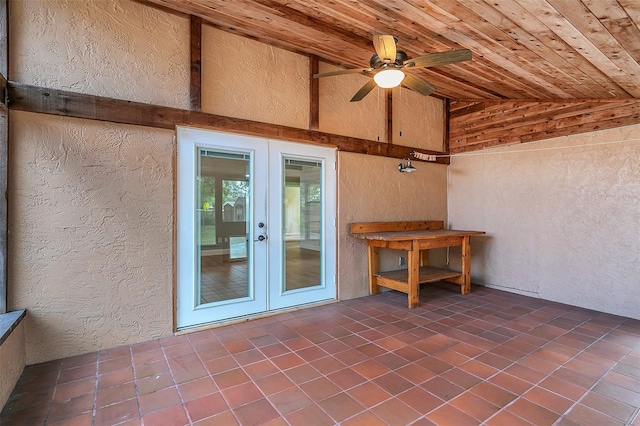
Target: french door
[(255, 225)]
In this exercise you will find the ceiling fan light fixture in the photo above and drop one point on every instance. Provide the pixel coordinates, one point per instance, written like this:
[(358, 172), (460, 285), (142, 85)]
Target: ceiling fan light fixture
[(389, 78)]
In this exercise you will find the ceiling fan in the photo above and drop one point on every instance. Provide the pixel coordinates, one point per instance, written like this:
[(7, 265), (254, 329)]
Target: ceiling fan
[(387, 66)]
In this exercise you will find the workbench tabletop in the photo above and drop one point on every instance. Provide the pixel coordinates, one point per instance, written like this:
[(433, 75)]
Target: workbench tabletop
[(415, 235)]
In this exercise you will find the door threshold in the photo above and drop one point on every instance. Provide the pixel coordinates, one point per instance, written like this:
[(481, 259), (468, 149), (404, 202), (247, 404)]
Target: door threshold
[(245, 318)]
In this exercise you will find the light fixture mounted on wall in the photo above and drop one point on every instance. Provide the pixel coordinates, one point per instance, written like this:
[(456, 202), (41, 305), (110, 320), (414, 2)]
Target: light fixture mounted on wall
[(405, 166)]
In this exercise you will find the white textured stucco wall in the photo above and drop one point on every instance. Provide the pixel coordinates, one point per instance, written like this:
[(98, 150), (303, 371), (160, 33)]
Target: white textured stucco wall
[(12, 361), (114, 48), (247, 79), (90, 233), (91, 203), (371, 189), (562, 218)]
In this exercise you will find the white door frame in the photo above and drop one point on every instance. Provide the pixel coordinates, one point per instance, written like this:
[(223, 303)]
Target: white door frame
[(265, 192)]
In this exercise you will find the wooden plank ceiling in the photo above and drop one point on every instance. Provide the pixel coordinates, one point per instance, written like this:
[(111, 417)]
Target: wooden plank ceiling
[(538, 65)]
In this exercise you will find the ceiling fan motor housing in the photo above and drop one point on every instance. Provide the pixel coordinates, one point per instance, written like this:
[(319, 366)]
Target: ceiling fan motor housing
[(376, 63)]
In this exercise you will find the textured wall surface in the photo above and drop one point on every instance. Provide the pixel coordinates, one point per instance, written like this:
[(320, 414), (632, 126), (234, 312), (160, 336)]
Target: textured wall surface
[(370, 189), (90, 233), (246, 79), (562, 218), (418, 121), (91, 203), (12, 362), (116, 48), (364, 119), (90, 224)]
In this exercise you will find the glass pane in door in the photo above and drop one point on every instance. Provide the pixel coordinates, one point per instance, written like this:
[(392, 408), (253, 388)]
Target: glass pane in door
[(222, 226), (302, 223)]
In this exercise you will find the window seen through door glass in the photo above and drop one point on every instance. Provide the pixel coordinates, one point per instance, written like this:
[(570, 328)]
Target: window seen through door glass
[(234, 199)]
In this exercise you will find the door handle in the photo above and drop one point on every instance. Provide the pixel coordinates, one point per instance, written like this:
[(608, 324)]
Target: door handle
[(261, 238)]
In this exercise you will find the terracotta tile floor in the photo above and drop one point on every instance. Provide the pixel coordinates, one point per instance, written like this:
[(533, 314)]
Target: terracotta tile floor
[(487, 358)]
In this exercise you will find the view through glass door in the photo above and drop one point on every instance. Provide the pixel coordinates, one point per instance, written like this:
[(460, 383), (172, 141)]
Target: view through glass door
[(255, 224)]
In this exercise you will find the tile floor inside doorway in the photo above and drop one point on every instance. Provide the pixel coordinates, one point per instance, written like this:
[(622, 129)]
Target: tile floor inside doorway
[(222, 279), (489, 357)]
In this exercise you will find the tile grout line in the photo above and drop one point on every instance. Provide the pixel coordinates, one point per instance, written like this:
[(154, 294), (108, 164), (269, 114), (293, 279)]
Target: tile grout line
[(231, 410), (53, 395), (175, 385), (135, 383), (94, 411)]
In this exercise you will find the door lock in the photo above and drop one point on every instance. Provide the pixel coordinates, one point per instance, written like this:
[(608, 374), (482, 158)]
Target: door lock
[(261, 225), (261, 238)]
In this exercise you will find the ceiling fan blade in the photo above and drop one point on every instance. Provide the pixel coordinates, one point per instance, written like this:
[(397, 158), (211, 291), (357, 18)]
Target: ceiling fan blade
[(417, 84), (340, 72), (441, 58), (385, 46), (364, 91)]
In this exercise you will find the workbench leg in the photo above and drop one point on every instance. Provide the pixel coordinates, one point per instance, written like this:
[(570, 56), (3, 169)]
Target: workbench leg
[(465, 288), (373, 269), (413, 259)]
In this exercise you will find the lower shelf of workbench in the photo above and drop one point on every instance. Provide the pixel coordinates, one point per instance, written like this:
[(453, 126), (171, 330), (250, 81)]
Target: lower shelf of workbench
[(399, 280)]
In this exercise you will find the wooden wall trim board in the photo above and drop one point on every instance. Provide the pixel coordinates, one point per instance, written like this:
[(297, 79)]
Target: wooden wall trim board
[(4, 150), (510, 122), (447, 125), (470, 128), (4, 160), (388, 107), (314, 93), (195, 79), (4, 38), (25, 97)]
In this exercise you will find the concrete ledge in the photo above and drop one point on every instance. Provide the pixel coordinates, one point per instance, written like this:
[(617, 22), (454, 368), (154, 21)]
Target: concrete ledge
[(12, 352), (8, 322)]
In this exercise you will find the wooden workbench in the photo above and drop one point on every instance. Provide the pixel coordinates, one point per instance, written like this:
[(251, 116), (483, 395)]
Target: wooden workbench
[(416, 238)]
